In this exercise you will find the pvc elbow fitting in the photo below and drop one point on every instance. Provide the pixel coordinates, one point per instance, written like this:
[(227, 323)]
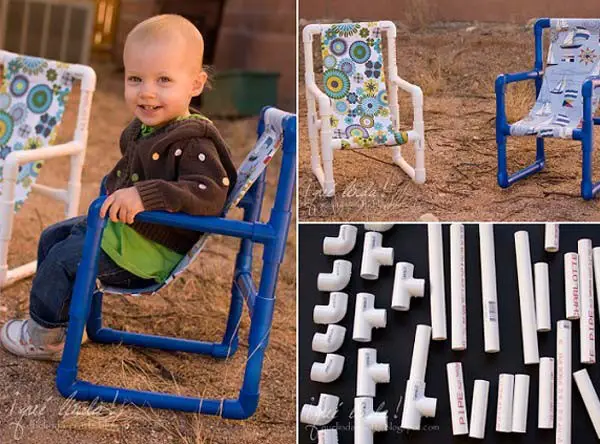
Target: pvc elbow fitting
[(343, 243), (378, 227), (333, 312), (322, 413), (366, 421), (329, 370), (330, 341), (337, 279), (370, 372), (366, 317), (374, 255), (405, 286)]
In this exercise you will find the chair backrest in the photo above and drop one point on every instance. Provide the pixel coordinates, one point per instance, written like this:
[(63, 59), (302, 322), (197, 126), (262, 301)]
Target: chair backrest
[(354, 79), (33, 95), (573, 55)]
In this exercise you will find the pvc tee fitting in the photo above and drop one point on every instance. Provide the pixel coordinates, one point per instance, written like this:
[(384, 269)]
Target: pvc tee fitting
[(330, 341), (374, 255), (337, 279), (366, 421), (329, 370), (343, 243), (322, 413), (378, 227), (406, 286), (366, 317), (370, 372), (333, 312)]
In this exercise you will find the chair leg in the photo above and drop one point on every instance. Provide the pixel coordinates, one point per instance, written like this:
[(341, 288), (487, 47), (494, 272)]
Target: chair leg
[(588, 188), (504, 179)]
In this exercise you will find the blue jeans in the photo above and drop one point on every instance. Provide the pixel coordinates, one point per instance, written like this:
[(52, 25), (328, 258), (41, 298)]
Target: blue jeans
[(59, 253)]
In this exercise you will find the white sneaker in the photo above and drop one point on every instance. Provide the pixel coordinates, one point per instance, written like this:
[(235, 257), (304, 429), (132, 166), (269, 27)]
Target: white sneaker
[(15, 337)]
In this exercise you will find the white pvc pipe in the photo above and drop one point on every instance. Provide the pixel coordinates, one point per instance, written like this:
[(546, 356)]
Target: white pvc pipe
[(343, 243), (406, 286), (322, 413), (572, 295), (329, 370), (366, 421), (338, 278), (378, 227), (418, 365), (587, 339), (333, 312), (327, 436), (526, 299), (369, 372), (479, 407), (367, 317), (590, 397), (374, 255), (330, 341), (546, 394), (436, 281), (458, 289), (563, 382), (551, 232), (458, 404), (506, 383), (542, 296), (491, 333), (596, 260), (520, 404)]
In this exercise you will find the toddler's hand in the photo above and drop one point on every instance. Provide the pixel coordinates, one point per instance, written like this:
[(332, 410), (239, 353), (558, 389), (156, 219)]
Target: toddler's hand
[(123, 205)]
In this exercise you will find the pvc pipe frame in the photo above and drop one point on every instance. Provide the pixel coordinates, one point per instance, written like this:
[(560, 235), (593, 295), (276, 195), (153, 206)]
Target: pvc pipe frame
[(367, 317), (333, 312), (322, 413), (366, 421), (563, 382), (587, 339), (369, 372), (551, 235), (378, 227), (436, 281), (542, 296), (329, 370), (458, 291), (489, 296), (589, 396), (338, 279), (374, 255), (572, 296), (458, 404), (546, 394), (406, 286), (343, 243), (330, 341), (479, 407), (526, 299)]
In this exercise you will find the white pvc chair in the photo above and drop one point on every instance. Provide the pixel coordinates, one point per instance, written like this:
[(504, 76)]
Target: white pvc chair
[(33, 95), (354, 110)]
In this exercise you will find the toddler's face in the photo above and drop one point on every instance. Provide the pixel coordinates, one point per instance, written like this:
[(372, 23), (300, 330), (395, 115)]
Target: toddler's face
[(160, 80)]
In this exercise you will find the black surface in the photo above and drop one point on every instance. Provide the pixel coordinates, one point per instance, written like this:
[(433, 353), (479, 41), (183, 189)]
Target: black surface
[(395, 342)]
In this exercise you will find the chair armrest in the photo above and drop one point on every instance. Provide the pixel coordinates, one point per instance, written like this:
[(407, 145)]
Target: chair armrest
[(322, 98), (407, 86), (103, 186), (589, 85), (505, 79), (17, 158), (501, 81)]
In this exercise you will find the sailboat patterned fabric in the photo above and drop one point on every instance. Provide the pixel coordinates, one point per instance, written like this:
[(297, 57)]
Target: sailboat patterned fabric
[(33, 94), (354, 80), (574, 55)]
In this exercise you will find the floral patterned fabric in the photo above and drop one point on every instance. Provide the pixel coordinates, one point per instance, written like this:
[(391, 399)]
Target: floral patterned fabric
[(574, 55), (33, 94), (354, 79)]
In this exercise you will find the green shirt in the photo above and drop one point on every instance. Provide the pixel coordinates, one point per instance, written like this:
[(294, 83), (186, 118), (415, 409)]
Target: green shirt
[(135, 253)]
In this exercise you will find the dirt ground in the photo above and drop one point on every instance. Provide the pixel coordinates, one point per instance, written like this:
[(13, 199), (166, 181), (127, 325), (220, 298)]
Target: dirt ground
[(455, 65), (195, 306)]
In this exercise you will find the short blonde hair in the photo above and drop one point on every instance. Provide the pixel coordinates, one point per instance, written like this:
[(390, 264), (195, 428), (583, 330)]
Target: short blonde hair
[(166, 26)]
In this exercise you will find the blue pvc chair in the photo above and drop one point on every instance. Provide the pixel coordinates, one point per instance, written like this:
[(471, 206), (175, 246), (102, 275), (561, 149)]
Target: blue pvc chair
[(565, 98), (276, 128)]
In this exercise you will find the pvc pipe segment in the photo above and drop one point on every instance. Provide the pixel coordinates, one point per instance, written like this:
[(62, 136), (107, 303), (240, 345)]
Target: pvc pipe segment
[(338, 278), (330, 341), (374, 255), (436, 281), (370, 372), (327, 436), (572, 295), (367, 317), (551, 232), (458, 291), (378, 227), (586, 291), (520, 404), (542, 296), (491, 333), (458, 404), (329, 370), (479, 407), (506, 383), (596, 261), (366, 421), (563, 382), (343, 243), (589, 396), (406, 286), (546, 394), (322, 413), (526, 299), (333, 312)]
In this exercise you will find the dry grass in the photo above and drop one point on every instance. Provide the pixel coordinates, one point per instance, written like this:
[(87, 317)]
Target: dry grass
[(431, 80), (520, 97)]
